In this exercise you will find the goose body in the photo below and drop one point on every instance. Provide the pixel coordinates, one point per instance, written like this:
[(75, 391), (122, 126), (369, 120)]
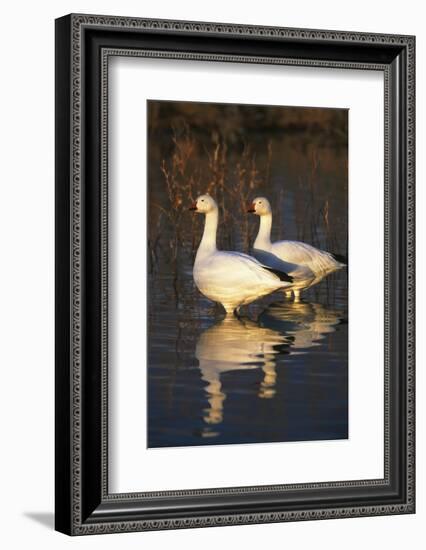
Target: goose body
[(231, 278), (304, 256)]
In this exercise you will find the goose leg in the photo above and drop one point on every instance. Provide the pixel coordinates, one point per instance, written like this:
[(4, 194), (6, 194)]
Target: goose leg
[(237, 312), (214, 414), (287, 294), (231, 310), (296, 295), (267, 386)]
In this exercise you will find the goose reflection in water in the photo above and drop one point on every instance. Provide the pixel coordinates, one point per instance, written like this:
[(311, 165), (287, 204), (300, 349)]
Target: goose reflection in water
[(237, 344), (305, 324)]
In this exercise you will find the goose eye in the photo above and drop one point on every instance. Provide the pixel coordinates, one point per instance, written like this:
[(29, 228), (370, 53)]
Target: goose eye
[(202, 200)]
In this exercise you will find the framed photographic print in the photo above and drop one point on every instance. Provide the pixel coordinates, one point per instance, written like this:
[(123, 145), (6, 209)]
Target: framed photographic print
[(234, 274)]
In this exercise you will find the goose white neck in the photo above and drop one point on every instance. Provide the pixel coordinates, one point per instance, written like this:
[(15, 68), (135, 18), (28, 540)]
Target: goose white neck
[(263, 239), (208, 242)]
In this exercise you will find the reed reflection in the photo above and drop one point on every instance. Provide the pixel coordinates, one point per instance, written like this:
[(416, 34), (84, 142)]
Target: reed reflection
[(241, 344)]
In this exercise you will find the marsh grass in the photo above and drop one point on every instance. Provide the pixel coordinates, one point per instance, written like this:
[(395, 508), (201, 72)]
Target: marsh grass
[(192, 169), (233, 176)]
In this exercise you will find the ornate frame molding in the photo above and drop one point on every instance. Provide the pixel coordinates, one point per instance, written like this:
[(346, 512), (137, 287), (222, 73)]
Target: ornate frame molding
[(72, 517)]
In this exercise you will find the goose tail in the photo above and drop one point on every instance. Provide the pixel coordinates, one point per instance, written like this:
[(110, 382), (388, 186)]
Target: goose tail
[(280, 274), (340, 258)]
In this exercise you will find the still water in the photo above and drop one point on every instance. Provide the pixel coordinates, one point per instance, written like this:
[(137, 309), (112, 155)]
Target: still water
[(278, 374)]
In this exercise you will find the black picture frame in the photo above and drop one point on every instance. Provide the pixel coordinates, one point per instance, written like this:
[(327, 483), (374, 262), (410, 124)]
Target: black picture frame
[(83, 45)]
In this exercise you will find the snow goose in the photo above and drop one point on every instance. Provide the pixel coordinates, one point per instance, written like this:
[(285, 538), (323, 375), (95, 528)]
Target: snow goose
[(319, 262), (230, 278)]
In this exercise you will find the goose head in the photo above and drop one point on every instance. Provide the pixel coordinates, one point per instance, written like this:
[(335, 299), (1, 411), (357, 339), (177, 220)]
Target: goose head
[(260, 206), (204, 204)]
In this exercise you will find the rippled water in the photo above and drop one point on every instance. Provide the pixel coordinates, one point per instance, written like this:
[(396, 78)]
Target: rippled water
[(278, 374)]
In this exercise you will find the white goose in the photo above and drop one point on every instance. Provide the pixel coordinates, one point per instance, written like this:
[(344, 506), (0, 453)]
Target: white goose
[(319, 262), (230, 278)]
